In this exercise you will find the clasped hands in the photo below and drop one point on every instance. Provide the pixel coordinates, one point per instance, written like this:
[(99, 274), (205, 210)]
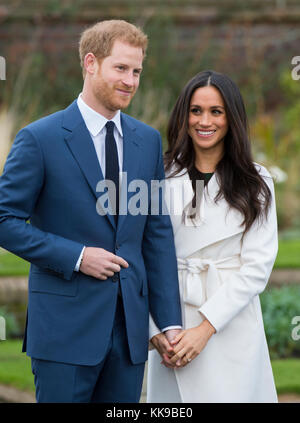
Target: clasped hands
[(176, 347), (179, 347)]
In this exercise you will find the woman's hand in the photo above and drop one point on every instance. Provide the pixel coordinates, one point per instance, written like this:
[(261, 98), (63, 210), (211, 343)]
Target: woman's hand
[(190, 342), (161, 343)]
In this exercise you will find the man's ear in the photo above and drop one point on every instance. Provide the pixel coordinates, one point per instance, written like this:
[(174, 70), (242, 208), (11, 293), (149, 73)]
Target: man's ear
[(90, 64)]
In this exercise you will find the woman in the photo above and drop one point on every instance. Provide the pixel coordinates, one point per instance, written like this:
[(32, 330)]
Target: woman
[(226, 245)]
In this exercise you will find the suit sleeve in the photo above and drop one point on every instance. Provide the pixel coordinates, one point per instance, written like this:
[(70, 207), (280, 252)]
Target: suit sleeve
[(20, 185), (258, 254), (160, 259)]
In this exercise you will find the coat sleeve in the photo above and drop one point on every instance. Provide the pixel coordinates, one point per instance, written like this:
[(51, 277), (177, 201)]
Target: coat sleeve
[(160, 259), (258, 253), (20, 185)]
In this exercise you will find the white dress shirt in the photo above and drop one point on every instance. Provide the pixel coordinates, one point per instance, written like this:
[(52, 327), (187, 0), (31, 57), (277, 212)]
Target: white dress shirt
[(95, 124)]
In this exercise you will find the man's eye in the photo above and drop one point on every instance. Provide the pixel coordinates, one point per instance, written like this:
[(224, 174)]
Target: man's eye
[(121, 67)]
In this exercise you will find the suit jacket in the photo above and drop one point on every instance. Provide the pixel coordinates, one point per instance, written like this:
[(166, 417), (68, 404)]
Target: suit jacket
[(48, 213)]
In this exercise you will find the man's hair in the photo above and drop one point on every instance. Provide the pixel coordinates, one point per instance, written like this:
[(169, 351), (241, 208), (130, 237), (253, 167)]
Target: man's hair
[(99, 39)]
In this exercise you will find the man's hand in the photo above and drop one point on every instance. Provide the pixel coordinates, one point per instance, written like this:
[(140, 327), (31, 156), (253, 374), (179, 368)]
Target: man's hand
[(172, 333), (162, 345), (101, 264), (167, 354)]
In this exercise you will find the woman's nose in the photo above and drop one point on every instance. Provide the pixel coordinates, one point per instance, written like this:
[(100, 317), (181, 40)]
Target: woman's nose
[(205, 119)]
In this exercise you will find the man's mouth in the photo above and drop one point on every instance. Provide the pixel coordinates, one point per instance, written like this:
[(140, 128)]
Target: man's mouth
[(124, 92)]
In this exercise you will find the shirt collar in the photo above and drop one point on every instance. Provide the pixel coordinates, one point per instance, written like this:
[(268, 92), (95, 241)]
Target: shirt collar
[(94, 121)]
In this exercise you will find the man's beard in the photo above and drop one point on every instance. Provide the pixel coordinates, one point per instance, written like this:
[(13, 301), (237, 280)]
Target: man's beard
[(109, 97)]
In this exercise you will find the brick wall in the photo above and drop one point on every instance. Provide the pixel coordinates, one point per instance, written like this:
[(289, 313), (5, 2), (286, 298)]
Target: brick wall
[(248, 37), (55, 25)]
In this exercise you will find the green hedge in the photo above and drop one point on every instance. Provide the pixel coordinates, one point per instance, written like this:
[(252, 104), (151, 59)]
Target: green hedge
[(279, 307)]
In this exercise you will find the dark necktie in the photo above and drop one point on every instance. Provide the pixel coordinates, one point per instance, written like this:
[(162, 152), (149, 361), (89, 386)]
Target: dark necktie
[(112, 162)]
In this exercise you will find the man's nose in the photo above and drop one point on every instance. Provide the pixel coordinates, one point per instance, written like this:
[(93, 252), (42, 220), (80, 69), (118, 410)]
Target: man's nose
[(129, 79)]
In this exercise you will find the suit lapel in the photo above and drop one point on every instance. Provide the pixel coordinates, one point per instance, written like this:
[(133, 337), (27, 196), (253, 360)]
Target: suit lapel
[(82, 148), (131, 163)]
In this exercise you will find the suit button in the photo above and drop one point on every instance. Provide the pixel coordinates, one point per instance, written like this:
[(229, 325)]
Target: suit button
[(115, 277)]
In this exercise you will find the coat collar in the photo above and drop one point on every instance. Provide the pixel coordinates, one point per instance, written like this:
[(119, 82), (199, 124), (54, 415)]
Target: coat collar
[(215, 222), (180, 187)]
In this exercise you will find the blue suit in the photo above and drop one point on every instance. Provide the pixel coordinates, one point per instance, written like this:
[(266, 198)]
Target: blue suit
[(48, 214)]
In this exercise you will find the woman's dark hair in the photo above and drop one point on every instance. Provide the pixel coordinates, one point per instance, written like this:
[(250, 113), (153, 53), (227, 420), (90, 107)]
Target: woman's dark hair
[(240, 182)]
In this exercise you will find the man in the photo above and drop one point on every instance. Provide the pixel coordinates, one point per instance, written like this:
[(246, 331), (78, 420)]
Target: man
[(93, 276)]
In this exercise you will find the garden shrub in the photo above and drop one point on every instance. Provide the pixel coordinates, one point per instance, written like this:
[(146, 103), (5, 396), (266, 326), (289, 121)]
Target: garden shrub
[(279, 307)]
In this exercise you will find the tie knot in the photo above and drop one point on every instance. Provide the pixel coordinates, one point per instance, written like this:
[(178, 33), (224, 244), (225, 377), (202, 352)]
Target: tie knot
[(110, 126)]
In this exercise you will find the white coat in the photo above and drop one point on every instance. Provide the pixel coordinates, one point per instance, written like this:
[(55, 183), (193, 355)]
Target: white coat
[(221, 274)]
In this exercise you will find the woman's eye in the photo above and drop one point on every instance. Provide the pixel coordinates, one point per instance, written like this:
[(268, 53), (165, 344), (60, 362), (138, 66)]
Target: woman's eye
[(217, 112), (195, 110)]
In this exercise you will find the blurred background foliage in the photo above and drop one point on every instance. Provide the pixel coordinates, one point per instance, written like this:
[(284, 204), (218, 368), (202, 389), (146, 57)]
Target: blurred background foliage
[(12, 326), (43, 72), (279, 307)]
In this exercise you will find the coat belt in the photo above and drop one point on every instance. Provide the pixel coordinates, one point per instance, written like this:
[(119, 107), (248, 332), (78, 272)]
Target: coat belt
[(197, 291)]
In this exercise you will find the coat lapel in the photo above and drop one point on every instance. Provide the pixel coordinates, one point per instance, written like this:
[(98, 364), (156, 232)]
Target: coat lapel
[(82, 147), (217, 220)]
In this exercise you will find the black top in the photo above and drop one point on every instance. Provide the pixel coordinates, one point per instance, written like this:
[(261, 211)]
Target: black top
[(195, 174)]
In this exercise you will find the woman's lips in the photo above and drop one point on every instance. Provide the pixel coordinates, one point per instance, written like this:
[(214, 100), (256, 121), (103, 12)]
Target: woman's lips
[(205, 134)]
